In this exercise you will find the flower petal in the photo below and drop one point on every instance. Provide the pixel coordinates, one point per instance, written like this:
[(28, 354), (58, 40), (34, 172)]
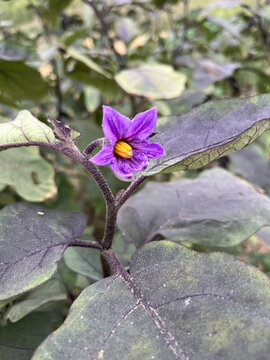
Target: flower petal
[(153, 150), (104, 157), (138, 162), (121, 167), (143, 125), (114, 124)]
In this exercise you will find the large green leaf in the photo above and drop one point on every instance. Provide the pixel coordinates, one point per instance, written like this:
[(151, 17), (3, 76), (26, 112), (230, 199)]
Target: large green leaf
[(174, 304), (32, 241), (208, 132), (216, 209), (20, 81), (52, 290), (23, 129), (28, 173), (155, 81), (18, 341)]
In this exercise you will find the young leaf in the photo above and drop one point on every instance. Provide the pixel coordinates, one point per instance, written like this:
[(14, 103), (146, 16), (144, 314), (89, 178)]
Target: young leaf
[(24, 129), (156, 81), (174, 304), (28, 173), (208, 132), (32, 241), (215, 209)]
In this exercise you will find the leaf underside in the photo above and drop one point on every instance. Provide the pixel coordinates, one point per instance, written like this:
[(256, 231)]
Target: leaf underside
[(174, 304), (208, 132), (24, 129)]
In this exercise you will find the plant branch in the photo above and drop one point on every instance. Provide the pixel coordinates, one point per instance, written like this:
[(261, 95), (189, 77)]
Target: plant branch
[(110, 263), (126, 194), (91, 147), (86, 243), (120, 59)]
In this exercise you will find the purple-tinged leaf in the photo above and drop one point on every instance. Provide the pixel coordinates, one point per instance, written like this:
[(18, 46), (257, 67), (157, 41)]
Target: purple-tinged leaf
[(215, 209), (64, 132), (174, 304), (32, 241)]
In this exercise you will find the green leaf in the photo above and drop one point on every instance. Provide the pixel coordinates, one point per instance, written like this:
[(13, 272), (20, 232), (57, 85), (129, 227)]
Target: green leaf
[(215, 209), (108, 87), (208, 132), (28, 173), (32, 241), (92, 98), (87, 61), (23, 129), (20, 81), (155, 81), (85, 261), (174, 304), (18, 341), (52, 290)]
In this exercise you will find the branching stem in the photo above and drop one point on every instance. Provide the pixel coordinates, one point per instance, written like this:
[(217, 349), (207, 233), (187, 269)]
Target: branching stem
[(112, 204), (86, 243), (119, 58)]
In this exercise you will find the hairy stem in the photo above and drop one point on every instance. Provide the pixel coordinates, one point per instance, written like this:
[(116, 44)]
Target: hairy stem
[(86, 243), (112, 204), (93, 145), (126, 194), (110, 263)]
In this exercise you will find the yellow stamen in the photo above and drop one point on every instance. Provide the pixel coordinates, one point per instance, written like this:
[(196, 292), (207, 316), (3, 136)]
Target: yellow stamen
[(123, 149)]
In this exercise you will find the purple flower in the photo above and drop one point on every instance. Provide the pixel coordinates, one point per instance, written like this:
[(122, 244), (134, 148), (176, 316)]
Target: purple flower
[(128, 148)]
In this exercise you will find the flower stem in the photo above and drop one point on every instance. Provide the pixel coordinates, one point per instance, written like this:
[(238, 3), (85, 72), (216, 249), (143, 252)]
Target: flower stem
[(110, 263), (126, 194), (93, 145)]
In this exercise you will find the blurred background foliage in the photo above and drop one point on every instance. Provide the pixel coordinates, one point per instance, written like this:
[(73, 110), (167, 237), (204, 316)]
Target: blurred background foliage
[(65, 58)]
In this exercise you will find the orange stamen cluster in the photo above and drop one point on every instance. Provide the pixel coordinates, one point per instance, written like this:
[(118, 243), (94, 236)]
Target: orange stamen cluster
[(123, 149)]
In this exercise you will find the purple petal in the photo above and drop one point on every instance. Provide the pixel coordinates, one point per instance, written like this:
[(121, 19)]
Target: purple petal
[(143, 125), (114, 124), (104, 157), (138, 162), (153, 150), (121, 167)]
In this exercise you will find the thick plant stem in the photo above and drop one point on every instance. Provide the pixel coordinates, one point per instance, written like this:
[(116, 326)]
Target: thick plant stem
[(111, 216), (110, 263)]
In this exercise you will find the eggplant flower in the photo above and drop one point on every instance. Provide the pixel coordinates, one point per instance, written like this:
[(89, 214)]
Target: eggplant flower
[(128, 147)]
